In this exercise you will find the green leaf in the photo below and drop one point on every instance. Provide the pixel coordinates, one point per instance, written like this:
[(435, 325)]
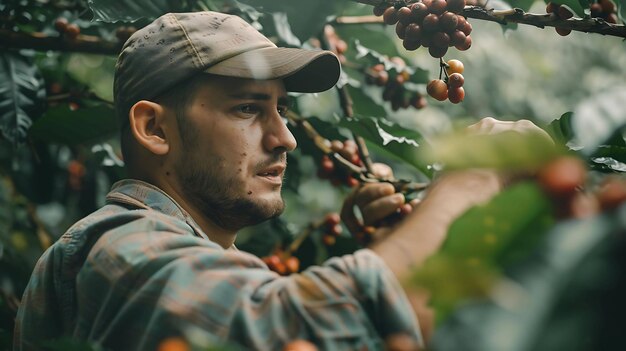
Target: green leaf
[(508, 150), (22, 94), (283, 29), (597, 118), (129, 10), (391, 139), (481, 243), (307, 18), (86, 124), (621, 9), (506, 228), (578, 6), (560, 129)]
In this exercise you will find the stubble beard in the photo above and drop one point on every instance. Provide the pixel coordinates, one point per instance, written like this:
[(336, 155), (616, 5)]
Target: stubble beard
[(215, 195)]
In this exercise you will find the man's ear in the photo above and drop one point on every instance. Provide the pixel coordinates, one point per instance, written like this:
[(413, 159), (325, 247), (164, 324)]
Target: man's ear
[(147, 123)]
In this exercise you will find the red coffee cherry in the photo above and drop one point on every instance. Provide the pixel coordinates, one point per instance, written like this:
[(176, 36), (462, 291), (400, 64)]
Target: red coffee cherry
[(437, 89), (456, 95), (456, 80)]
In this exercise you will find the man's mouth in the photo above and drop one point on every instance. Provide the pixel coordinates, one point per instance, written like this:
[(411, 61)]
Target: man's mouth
[(273, 173)]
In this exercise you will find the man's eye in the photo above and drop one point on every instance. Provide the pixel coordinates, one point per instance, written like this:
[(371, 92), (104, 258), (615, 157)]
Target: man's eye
[(282, 110), (248, 109)]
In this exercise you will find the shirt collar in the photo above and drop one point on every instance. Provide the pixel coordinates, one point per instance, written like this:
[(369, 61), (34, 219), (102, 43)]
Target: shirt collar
[(145, 195)]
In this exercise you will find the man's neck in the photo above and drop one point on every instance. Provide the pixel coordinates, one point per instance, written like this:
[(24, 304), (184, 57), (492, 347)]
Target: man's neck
[(223, 237)]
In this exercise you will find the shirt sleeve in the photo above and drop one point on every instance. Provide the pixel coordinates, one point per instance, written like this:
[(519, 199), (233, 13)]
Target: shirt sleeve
[(136, 289)]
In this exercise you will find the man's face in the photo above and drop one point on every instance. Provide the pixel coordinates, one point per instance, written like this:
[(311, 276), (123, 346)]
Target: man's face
[(233, 150)]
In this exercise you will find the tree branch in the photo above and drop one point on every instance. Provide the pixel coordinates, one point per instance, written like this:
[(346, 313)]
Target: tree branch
[(42, 42), (587, 25)]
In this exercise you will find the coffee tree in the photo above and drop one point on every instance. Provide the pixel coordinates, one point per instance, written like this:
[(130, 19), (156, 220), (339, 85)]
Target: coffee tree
[(546, 254)]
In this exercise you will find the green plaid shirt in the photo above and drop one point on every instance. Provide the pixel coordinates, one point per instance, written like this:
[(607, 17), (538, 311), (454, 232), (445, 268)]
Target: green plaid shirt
[(140, 270)]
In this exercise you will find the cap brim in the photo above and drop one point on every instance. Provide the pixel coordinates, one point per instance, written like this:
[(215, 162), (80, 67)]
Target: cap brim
[(305, 71)]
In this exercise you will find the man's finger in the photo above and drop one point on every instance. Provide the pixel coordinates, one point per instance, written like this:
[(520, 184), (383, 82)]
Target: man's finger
[(381, 208), (371, 192)]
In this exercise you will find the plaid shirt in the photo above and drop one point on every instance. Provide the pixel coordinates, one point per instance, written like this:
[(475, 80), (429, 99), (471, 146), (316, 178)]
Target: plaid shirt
[(140, 270)]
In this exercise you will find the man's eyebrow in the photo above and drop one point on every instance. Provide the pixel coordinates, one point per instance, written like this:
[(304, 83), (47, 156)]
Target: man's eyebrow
[(282, 100)]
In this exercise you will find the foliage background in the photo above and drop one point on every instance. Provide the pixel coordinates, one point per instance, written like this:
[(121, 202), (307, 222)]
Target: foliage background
[(60, 154)]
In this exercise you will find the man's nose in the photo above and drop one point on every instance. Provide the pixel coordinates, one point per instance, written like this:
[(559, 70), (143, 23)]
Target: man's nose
[(277, 136)]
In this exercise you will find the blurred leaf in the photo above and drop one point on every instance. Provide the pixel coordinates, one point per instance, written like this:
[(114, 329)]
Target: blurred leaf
[(307, 18), (560, 129), (598, 117), (508, 150), (369, 35), (578, 6), (390, 138), (621, 9), (283, 29), (481, 243), (363, 104), (129, 10), (69, 344), (22, 94), (502, 230), (62, 125)]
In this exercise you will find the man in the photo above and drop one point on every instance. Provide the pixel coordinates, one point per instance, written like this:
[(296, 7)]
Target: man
[(201, 97)]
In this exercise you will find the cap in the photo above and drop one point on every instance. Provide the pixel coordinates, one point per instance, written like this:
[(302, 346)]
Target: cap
[(178, 46)]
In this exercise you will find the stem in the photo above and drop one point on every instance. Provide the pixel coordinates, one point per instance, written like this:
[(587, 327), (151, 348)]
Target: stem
[(324, 145), (587, 25), (42, 42), (295, 244), (345, 100), (443, 66)]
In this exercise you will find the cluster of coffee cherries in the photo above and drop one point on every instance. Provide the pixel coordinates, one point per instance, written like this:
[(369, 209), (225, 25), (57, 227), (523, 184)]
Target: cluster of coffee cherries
[(451, 87), (281, 263), (69, 30), (561, 12), (604, 9), (331, 229), (564, 179), (434, 24), (337, 175), (392, 82), (75, 173)]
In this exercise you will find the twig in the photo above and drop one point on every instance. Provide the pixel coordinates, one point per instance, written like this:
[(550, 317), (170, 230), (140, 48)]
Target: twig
[(323, 144), (43, 42), (587, 25), (346, 106)]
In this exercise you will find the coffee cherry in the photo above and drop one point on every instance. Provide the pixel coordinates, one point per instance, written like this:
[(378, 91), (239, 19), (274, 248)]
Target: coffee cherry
[(379, 10), (607, 6), (292, 264), (418, 11), (405, 15), (431, 23), (448, 22), (456, 95), (437, 89), (329, 239), (401, 30), (466, 44), (332, 219), (61, 24), (455, 6), (612, 18), (612, 193), (563, 31), (561, 177), (418, 101), (454, 66), (457, 38), (441, 40), (72, 31), (411, 44), (390, 16), (564, 13), (437, 7), (596, 9), (300, 345), (437, 51), (413, 32), (456, 80)]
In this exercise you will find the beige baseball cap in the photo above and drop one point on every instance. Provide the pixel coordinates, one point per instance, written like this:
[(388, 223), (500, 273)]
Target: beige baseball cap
[(178, 46)]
